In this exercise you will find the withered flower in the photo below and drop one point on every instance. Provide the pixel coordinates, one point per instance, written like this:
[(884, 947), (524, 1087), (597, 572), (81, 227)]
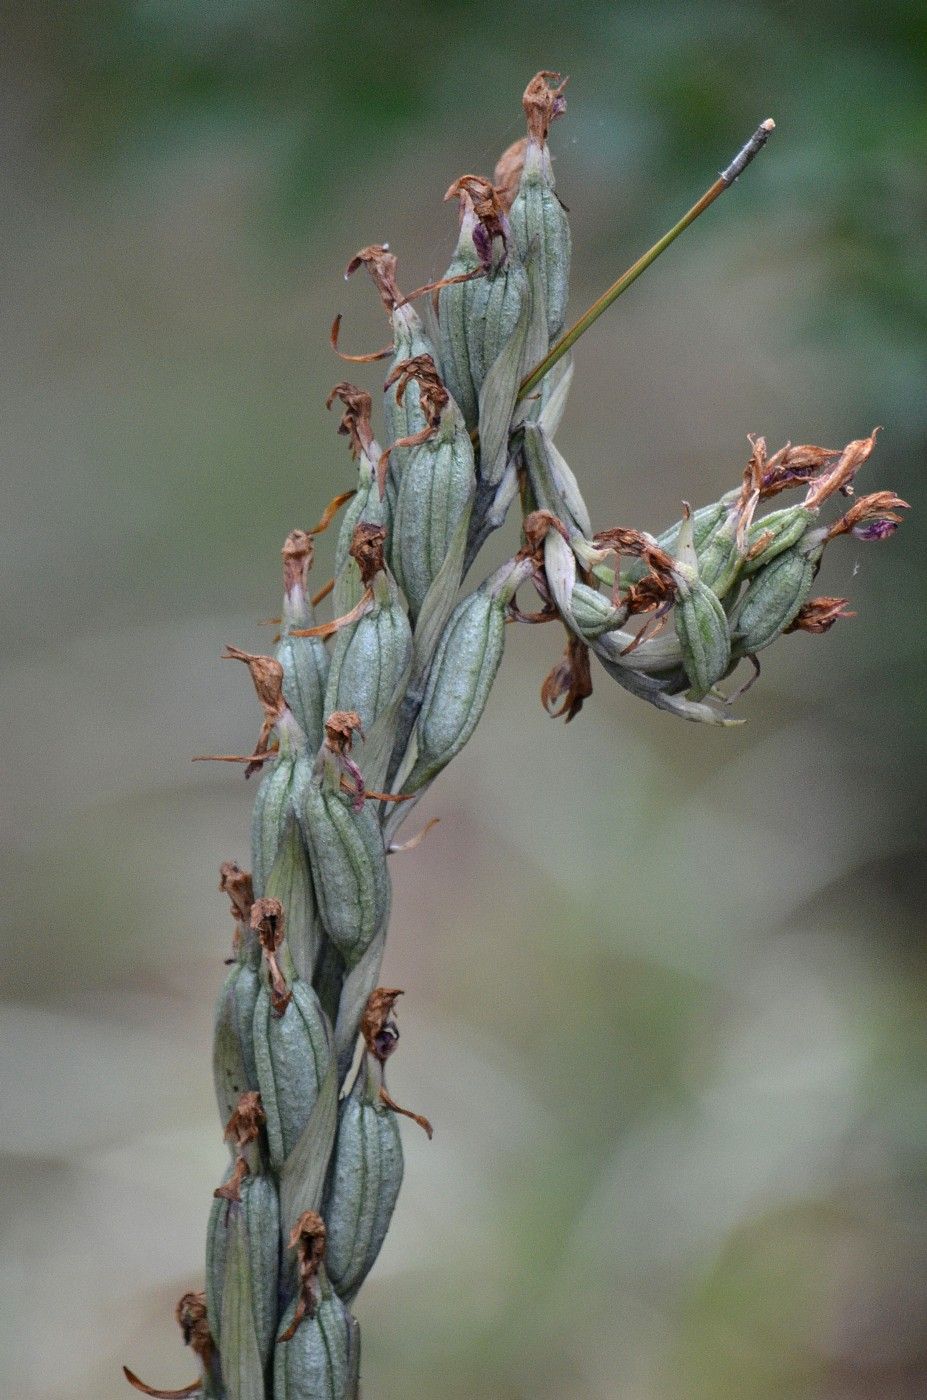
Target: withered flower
[(819, 615)]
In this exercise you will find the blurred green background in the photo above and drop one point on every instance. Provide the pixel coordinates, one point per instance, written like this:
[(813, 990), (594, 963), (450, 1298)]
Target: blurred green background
[(665, 985)]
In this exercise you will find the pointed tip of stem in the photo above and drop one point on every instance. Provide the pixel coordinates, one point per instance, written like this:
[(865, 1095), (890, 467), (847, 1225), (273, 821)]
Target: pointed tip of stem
[(768, 125)]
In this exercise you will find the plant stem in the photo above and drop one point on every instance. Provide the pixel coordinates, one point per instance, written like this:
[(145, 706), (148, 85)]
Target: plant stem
[(724, 180)]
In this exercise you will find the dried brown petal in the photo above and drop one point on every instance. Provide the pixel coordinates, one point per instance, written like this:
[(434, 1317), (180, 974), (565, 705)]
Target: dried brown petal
[(840, 477), (507, 174), (433, 399), (247, 1120), (236, 883), (543, 102), (789, 467), (267, 676), (379, 1031), (298, 553), (381, 264), (819, 615), (268, 922), (308, 1239), (366, 548), (871, 517), (478, 195), (569, 682), (340, 728), (536, 528), (355, 421)]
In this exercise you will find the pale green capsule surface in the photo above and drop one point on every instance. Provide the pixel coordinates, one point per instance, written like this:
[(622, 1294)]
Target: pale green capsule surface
[(435, 494), (465, 666), (290, 881), (242, 1262), (785, 528), (366, 508), (317, 1363), (593, 613), (348, 861), (542, 230), (371, 660), (403, 419), (234, 1069), (366, 1175), (270, 816), (772, 601), (704, 638), (293, 1053)]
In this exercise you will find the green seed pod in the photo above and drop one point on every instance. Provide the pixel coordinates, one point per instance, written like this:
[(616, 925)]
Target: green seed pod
[(292, 1041), (366, 507), (366, 1175), (704, 639), (242, 1254), (403, 413), (435, 495), (774, 533), (290, 881), (772, 600), (464, 668), (477, 317), (274, 803), (538, 219), (701, 622), (234, 1068), (593, 614), (347, 858), (371, 658), (234, 1071), (304, 659), (317, 1362)]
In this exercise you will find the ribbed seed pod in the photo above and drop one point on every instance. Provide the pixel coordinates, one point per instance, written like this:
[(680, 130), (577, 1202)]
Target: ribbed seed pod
[(704, 639), (774, 533), (435, 495), (293, 1047), (403, 414), (274, 802), (701, 622), (304, 659), (371, 657), (317, 1362), (593, 613), (242, 1254), (234, 1068), (773, 600), (366, 507), (554, 485), (538, 219), (347, 857), (366, 1175), (478, 317), (465, 666)]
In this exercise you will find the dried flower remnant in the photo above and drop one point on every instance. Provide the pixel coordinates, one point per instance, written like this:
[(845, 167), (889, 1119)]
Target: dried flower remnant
[(369, 704), (194, 1327)]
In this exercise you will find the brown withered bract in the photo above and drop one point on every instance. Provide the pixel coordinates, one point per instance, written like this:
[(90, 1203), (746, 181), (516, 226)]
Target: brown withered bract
[(380, 1034), (507, 175), (340, 728), (236, 883), (268, 922), (308, 1239), (355, 421), (298, 553), (535, 528), (819, 615), (478, 194), (366, 548), (872, 517), (544, 102), (569, 682), (267, 677), (244, 1127), (840, 476), (194, 1326), (381, 264), (787, 468)]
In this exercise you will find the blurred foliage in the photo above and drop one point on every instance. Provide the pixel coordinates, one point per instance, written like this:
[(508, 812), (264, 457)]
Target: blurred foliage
[(665, 989)]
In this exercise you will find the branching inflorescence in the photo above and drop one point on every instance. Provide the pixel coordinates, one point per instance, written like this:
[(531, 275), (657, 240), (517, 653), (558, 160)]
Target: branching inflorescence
[(362, 712)]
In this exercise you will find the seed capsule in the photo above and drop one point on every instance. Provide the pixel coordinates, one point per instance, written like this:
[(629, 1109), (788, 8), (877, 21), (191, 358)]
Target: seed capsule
[(464, 668), (371, 658), (477, 317), (538, 219), (701, 622), (304, 659), (234, 1069), (242, 1253), (552, 481), (366, 1175), (346, 855), (773, 600), (292, 1041), (775, 533), (317, 1362), (366, 507), (593, 614), (435, 494)]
